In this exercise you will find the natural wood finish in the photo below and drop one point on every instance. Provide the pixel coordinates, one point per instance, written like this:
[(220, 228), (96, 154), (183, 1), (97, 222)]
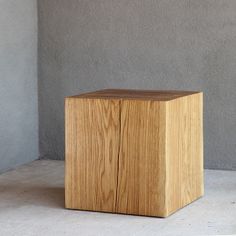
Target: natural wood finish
[(92, 142), (136, 94), (141, 185), (184, 151), (134, 152)]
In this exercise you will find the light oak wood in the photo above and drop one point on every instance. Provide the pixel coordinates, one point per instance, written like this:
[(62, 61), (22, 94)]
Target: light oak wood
[(142, 158), (157, 95), (134, 152), (92, 144), (184, 151)]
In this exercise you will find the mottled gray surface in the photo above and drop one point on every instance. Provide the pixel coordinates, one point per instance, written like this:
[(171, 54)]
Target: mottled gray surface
[(18, 83), (32, 204), (152, 44)]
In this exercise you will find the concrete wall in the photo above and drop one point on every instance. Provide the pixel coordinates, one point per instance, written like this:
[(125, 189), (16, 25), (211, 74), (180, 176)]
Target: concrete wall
[(18, 83), (152, 44)]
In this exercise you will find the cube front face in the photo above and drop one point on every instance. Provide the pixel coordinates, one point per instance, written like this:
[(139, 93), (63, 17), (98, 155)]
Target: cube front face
[(133, 156)]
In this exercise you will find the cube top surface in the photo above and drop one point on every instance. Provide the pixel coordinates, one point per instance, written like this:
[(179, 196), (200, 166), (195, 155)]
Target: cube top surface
[(158, 95)]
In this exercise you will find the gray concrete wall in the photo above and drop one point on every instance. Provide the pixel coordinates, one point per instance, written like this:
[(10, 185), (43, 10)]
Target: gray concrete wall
[(143, 44), (18, 83)]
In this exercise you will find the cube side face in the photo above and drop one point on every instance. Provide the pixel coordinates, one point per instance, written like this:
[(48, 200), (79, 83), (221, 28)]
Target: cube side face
[(184, 151), (142, 165), (92, 145)]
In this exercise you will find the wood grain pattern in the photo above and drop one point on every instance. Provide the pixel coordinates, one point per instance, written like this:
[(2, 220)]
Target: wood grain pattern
[(132, 154), (184, 151), (141, 185), (132, 94), (92, 142)]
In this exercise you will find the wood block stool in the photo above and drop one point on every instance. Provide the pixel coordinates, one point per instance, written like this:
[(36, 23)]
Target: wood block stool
[(134, 152)]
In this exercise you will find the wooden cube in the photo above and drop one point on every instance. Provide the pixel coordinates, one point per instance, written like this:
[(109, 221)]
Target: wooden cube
[(134, 152)]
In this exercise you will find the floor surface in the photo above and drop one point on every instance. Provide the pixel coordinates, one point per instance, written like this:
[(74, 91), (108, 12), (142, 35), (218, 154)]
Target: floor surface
[(32, 203)]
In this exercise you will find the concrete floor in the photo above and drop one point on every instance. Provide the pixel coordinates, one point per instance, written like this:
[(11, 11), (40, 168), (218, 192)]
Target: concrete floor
[(32, 203)]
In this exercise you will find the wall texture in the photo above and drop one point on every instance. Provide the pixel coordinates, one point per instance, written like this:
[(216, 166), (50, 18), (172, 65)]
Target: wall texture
[(18, 83), (152, 44)]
